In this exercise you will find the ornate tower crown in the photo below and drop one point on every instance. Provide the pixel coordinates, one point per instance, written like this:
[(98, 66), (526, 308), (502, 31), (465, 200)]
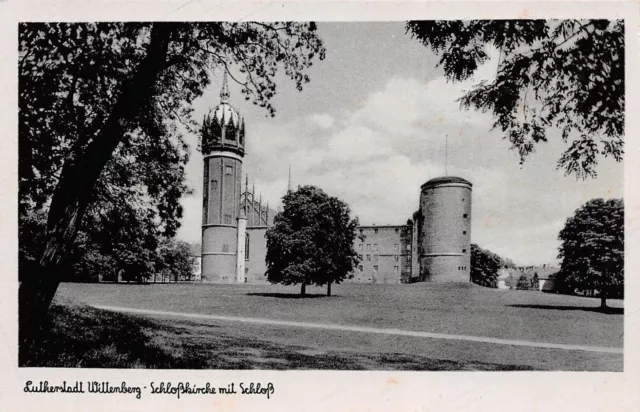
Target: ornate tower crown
[(223, 128), (224, 92)]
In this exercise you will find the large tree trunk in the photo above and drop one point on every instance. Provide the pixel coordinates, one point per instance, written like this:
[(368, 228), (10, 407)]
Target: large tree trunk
[(329, 289), (77, 180), (303, 289)]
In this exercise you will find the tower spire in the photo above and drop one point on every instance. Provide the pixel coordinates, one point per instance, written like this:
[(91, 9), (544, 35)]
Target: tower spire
[(253, 204), (224, 92), (289, 183)]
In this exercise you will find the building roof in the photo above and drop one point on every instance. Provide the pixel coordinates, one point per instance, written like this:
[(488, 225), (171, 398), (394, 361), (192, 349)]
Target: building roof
[(446, 179), (225, 114), (548, 272)]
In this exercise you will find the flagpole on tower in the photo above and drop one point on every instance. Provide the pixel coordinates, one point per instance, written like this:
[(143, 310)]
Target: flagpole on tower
[(446, 155)]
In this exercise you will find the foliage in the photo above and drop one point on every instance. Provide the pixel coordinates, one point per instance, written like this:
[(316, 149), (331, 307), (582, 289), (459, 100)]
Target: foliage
[(93, 265), (99, 111), (485, 266), (71, 76), (109, 250), (523, 283), (592, 248), (567, 74), (174, 259), (535, 282), (311, 240), (31, 240)]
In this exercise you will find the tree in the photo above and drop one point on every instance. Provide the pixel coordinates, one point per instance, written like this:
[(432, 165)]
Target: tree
[(567, 74), (523, 283), (535, 282), (87, 91), (108, 247), (485, 266), (592, 248), (311, 240), (174, 258)]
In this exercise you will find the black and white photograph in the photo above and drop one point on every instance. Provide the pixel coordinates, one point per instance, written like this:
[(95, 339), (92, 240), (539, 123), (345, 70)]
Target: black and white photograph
[(417, 195), (422, 195)]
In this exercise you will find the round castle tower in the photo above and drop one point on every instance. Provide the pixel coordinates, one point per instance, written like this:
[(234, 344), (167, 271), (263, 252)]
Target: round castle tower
[(223, 140), (445, 230)]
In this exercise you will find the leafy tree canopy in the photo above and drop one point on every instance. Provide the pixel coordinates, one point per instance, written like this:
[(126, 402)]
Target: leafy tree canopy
[(592, 248), (485, 266), (311, 240), (110, 248), (72, 75), (567, 74), (99, 109)]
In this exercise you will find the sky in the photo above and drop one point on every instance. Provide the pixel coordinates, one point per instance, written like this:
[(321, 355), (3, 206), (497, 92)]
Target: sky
[(370, 128)]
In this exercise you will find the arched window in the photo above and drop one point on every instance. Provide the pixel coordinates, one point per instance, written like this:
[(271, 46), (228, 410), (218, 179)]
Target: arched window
[(246, 247)]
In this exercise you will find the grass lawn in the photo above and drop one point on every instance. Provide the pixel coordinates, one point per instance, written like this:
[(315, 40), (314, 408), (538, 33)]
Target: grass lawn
[(84, 336)]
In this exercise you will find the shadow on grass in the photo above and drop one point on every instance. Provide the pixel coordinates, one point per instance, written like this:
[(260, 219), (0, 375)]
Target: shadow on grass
[(609, 310), (291, 295), (85, 337)]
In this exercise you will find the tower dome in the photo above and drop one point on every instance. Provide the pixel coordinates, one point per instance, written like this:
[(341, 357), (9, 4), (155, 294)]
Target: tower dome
[(222, 127)]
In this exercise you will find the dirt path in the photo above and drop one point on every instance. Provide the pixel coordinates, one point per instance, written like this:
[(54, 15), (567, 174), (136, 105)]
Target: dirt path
[(364, 329)]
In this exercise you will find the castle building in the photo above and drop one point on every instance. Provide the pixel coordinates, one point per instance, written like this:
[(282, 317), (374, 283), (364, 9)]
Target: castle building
[(433, 246)]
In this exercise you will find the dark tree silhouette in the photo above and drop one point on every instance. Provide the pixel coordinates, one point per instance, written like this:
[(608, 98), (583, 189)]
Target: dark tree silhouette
[(567, 74), (592, 248), (485, 265), (88, 90), (523, 283), (311, 240)]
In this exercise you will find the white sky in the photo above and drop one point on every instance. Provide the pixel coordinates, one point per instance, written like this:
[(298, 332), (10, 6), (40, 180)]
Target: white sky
[(370, 129)]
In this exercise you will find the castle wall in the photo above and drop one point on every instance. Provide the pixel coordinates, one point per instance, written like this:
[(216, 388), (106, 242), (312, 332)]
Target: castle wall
[(219, 254), (222, 180), (221, 188), (255, 260), (385, 255), (445, 233)]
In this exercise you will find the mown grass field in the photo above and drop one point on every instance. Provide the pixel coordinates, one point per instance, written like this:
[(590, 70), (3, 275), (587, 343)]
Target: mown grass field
[(84, 336)]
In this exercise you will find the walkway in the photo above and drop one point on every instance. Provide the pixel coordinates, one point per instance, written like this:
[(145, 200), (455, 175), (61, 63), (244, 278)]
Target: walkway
[(364, 329)]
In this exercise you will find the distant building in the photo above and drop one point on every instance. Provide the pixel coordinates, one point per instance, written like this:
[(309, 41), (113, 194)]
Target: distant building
[(547, 283), (434, 246), (385, 254), (545, 275), (506, 278)]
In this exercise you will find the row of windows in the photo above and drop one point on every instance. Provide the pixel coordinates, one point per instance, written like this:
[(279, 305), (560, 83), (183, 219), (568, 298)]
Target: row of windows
[(462, 268), (375, 269), (396, 268), (375, 257), (396, 247), (376, 230)]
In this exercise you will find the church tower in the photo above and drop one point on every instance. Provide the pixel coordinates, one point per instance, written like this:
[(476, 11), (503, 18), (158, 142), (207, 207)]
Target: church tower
[(223, 140)]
